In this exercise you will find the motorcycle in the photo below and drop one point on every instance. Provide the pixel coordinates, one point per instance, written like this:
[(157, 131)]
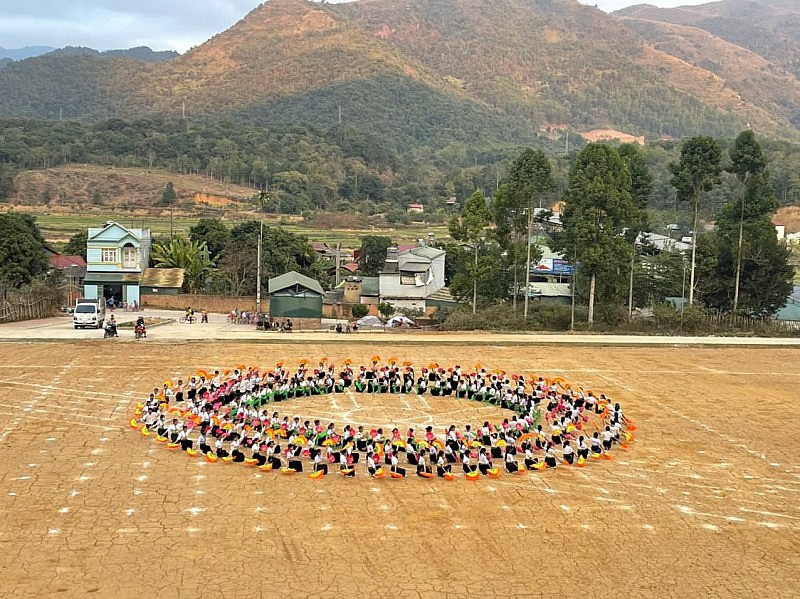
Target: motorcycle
[(110, 330), (140, 332)]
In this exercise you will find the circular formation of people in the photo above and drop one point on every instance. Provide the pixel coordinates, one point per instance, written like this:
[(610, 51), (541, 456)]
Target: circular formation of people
[(233, 417)]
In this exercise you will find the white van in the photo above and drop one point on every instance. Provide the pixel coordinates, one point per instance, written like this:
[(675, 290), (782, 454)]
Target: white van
[(89, 313)]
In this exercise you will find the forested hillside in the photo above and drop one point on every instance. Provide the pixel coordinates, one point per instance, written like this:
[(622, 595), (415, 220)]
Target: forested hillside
[(416, 73), (306, 169)]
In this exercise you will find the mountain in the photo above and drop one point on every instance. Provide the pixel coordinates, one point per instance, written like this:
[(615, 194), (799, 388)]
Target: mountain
[(424, 72), (26, 52), (751, 44), (142, 53)]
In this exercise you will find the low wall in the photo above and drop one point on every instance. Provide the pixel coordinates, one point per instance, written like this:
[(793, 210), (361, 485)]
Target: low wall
[(301, 324), (345, 311), (221, 304)]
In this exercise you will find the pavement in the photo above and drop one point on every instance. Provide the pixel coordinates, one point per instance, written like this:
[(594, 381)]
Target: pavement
[(60, 328)]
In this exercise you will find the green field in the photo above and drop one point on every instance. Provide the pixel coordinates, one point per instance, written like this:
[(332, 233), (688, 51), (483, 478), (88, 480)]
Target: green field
[(59, 227)]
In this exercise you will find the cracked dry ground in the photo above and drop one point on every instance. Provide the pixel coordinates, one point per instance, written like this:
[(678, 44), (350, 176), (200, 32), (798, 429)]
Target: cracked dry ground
[(705, 503)]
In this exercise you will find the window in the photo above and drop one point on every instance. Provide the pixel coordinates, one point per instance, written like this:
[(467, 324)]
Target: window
[(109, 255), (129, 257)]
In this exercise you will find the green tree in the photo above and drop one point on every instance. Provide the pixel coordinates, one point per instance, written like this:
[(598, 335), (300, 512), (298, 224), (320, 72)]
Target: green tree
[(359, 310), (697, 171), (76, 246), (22, 253), (751, 270), (530, 177), (213, 232), (598, 209), (386, 309), (757, 199), (641, 190), (472, 228), (282, 251), (373, 254), (192, 256), (168, 196)]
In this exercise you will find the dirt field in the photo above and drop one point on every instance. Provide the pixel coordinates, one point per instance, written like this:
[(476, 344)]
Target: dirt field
[(705, 503)]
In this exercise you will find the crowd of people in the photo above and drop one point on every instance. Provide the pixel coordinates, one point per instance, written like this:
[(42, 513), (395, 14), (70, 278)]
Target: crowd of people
[(233, 417)]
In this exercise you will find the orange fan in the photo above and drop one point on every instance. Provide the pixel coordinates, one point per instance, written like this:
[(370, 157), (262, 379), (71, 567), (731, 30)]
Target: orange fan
[(478, 366), (304, 361), (347, 362), (393, 360), (317, 474), (323, 360), (375, 358), (433, 365), (192, 453), (407, 363), (210, 457), (473, 476), (279, 364), (449, 476), (265, 467)]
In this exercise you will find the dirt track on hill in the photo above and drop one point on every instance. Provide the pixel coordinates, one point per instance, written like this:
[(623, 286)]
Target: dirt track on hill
[(704, 503)]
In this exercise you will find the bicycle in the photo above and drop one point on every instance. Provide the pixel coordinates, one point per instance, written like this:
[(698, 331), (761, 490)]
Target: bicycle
[(189, 319)]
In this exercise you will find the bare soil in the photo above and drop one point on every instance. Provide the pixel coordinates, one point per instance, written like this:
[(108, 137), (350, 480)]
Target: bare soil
[(703, 504)]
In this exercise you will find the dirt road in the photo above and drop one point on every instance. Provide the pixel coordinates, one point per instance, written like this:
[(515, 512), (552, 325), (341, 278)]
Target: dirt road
[(705, 502)]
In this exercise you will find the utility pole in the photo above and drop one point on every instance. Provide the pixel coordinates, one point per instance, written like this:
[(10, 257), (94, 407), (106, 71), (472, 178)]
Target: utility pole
[(475, 282), (528, 263), (258, 269), (338, 246), (261, 197)]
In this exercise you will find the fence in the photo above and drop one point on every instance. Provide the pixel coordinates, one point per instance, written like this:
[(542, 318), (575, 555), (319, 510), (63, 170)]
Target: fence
[(39, 301), (726, 320)]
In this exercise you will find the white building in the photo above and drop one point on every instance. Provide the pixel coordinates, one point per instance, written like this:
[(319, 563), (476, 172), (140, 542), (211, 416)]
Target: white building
[(410, 277)]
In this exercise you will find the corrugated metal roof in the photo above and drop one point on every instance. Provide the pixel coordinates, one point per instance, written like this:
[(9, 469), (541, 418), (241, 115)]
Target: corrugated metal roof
[(292, 278), (427, 252), (167, 278)]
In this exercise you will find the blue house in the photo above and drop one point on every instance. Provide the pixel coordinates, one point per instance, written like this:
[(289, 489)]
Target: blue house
[(115, 260)]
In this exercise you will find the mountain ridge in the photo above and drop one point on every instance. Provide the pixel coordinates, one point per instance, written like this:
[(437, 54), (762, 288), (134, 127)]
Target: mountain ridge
[(501, 70)]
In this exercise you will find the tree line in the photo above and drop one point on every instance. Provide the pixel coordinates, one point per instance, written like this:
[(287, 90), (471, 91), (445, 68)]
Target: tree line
[(304, 169), (738, 266)]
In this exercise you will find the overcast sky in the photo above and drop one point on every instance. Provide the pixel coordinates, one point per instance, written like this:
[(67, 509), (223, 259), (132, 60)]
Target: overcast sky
[(160, 24)]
